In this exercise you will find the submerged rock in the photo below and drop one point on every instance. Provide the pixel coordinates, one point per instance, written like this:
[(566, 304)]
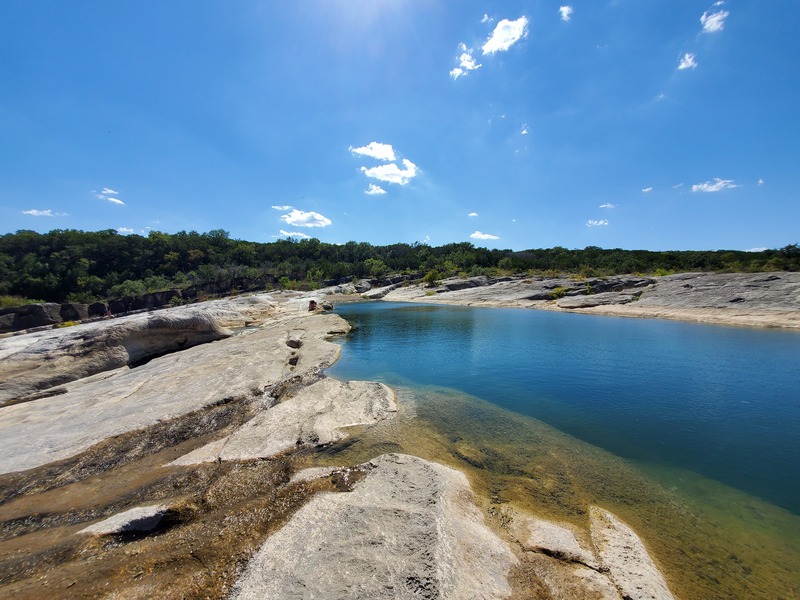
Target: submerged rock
[(409, 529), (627, 560)]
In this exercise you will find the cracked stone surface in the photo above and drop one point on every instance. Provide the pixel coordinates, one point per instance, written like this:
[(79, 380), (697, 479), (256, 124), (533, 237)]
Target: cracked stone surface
[(316, 415), (108, 404), (409, 529)]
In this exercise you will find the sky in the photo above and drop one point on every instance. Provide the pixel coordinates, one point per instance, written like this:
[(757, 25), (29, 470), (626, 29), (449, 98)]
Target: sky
[(637, 124)]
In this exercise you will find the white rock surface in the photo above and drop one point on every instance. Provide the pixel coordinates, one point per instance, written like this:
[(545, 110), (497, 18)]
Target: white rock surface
[(409, 529), (49, 429), (626, 558), (141, 518), (555, 539), (315, 415)]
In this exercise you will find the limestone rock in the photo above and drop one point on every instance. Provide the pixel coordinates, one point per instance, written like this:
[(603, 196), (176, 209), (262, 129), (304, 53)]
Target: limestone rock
[(553, 539), (624, 555), (38, 432), (141, 518), (29, 364), (314, 416), (409, 529)]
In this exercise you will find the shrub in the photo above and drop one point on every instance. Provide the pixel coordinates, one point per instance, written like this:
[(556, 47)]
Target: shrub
[(557, 293)]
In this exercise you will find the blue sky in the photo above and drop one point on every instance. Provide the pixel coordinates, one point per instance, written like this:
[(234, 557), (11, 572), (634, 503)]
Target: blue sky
[(616, 123)]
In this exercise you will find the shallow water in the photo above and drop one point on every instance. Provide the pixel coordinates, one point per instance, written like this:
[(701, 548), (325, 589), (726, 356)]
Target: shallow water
[(687, 432)]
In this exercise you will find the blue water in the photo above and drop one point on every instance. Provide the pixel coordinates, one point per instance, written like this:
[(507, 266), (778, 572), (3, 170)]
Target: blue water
[(721, 402)]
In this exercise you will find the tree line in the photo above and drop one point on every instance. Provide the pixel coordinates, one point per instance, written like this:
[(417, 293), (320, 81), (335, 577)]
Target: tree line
[(82, 266)]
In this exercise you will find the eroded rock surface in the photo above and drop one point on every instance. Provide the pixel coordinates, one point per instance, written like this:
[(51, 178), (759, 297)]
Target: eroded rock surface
[(409, 529), (141, 518), (627, 560), (91, 410), (315, 415)]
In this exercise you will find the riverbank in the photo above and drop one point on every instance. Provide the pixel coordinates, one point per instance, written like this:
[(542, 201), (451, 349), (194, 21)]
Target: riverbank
[(168, 455), (770, 300)]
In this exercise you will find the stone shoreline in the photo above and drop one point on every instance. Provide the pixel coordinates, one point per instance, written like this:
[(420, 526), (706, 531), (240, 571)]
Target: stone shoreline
[(770, 300), (168, 452)]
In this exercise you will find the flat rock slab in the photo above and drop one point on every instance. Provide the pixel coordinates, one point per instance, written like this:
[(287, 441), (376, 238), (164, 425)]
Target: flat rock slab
[(49, 429), (141, 518), (627, 560), (409, 529), (553, 539), (313, 416)]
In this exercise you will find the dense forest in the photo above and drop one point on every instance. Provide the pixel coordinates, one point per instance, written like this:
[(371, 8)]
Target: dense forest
[(77, 266)]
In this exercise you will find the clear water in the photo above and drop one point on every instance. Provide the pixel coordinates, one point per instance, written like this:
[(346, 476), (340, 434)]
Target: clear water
[(721, 403)]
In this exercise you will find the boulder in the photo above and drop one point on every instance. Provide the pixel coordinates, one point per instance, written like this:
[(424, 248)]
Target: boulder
[(97, 309), (74, 312)]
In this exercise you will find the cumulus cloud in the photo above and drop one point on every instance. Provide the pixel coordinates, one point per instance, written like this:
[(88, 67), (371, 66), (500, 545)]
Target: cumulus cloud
[(483, 236), (374, 190), (505, 34), (597, 223), (472, 214), (43, 213), (760, 181), (296, 234), (647, 190), (124, 230), (687, 62), (566, 12), (714, 21), (757, 250), (302, 218), (717, 186), (284, 207), (486, 19), (392, 173), (376, 150), (608, 205), (466, 62)]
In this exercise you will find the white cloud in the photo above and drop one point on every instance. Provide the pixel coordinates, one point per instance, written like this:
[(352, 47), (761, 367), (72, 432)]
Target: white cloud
[(466, 62), (376, 150), (284, 207), (760, 181), (293, 234), (647, 190), (302, 218), (486, 19), (483, 236), (566, 12), (598, 223), (757, 250), (104, 195), (505, 35), (374, 190), (392, 173), (677, 185), (714, 21), (608, 205), (472, 214), (125, 230), (456, 73), (717, 186), (525, 130), (687, 62), (43, 213)]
